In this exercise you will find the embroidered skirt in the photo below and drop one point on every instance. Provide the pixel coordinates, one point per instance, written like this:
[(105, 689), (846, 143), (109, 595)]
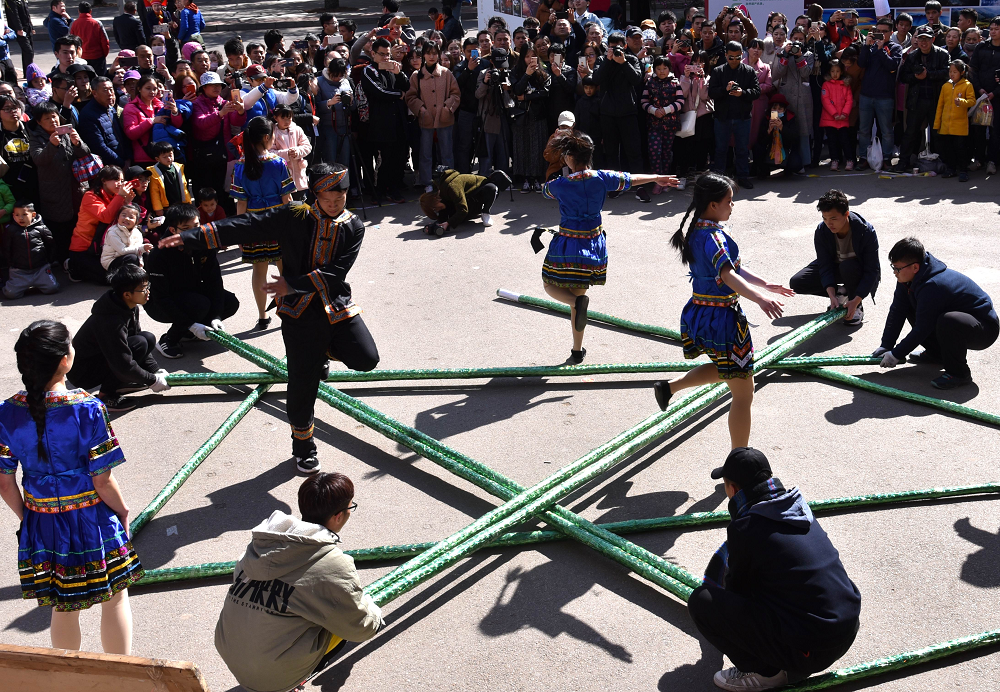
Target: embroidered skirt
[(576, 262), (721, 332), (73, 552), (255, 253)]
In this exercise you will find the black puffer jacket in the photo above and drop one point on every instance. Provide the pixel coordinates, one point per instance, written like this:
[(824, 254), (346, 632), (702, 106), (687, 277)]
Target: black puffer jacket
[(927, 89), (618, 83), (985, 64), (28, 248), (104, 338)]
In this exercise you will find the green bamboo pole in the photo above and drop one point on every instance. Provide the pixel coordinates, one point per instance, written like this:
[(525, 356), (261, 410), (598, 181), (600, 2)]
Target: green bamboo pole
[(194, 462), (940, 404), (592, 316), (522, 538), (890, 664), (232, 378)]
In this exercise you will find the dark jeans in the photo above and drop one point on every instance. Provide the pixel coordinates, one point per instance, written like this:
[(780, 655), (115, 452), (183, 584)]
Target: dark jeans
[(841, 144), (692, 152), (182, 310), (746, 631), (62, 234), (955, 334), (739, 130), (27, 51), (465, 132), (310, 341), (954, 152), (808, 282), (621, 143), (917, 120), (90, 372), (86, 266), (100, 65)]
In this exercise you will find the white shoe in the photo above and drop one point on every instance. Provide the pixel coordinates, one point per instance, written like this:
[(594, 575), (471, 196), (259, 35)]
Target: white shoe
[(429, 188), (857, 320), (736, 680), (487, 220), (991, 168)]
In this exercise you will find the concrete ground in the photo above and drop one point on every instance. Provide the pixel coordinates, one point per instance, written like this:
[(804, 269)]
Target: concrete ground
[(560, 616)]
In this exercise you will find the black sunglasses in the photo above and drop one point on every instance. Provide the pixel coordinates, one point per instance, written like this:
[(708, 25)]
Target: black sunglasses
[(896, 270)]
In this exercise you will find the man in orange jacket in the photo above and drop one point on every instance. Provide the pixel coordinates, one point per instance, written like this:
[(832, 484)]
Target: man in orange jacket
[(94, 38)]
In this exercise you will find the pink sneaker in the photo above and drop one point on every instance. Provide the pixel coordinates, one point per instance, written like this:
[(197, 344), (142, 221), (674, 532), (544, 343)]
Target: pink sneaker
[(849, 166), (834, 165), (657, 189)]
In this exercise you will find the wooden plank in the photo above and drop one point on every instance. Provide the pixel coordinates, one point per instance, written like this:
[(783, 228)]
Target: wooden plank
[(31, 667)]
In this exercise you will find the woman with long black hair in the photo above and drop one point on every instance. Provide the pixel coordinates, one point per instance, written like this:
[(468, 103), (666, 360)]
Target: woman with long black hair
[(530, 130), (713, 322), (261, 181), (73, 546)]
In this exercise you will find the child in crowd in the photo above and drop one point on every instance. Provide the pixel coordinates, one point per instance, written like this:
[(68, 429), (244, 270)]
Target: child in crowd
[(26, 247), (209, 209), (37, 87), (168, 185), (291, 144), (124, 240), (837, 100), (952, 121), (662, 99)]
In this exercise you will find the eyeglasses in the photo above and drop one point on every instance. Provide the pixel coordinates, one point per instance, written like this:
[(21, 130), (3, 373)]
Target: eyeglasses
[(349, 508), (896, 270), (15, 109)]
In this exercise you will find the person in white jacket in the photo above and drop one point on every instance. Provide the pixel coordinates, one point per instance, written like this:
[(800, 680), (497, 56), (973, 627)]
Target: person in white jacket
[(296, 597), (124, 238), (291, 144)]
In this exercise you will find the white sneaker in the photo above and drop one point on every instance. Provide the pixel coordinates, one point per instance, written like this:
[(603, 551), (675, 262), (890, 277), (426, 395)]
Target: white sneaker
[(736, 680), (991, 168), (842, 295), (858, 319), (487, 220)]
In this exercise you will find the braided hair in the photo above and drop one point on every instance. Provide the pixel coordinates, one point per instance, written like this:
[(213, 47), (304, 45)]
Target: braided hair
[(39, 349), (576, 145), (257, 132), (708, 188)]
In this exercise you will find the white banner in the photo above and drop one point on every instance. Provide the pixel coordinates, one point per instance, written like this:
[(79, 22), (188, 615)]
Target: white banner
[(513, 11), (758, 10)]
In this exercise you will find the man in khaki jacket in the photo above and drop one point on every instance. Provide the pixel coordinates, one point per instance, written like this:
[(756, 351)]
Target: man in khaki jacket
[(296, 597)]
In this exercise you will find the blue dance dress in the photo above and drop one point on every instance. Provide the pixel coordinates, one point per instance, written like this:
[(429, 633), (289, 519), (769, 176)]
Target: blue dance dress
[(260, 195), (578, 254), (713, 322), (73, 550)]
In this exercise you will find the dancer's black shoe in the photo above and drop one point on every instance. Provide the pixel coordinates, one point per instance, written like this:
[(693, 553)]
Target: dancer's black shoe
[(576, 357), (662, 391)]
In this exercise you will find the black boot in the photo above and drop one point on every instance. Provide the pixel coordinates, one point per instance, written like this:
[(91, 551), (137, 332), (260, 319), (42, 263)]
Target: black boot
[(662, 391), (576, 357), (582, 302)]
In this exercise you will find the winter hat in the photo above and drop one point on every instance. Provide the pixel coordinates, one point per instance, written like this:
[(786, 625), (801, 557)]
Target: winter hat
[(34, 72), (189, 48)]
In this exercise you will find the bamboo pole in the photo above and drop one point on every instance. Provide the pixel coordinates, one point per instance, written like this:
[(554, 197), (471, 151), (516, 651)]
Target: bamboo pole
[(200, 454)]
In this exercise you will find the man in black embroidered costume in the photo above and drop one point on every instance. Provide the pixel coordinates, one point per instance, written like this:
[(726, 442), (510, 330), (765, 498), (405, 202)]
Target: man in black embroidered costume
[(319, 319)]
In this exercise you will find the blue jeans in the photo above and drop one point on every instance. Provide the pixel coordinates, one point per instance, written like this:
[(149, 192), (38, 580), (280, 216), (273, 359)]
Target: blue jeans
[(333, 147), (870, 110), (740, 132), (445, 151)]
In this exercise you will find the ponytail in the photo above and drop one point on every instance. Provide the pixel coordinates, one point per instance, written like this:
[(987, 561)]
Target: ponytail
[(711, 187), (257, 131), (39, 349)]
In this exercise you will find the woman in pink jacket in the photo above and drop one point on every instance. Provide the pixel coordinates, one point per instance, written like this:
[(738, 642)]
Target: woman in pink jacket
[(433, 97), (837, 101), (140, 115), (759, 109), (214, 121), (291, 144)]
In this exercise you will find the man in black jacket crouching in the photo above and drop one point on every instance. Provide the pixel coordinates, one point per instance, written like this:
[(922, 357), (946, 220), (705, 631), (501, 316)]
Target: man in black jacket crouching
[(776, 598)]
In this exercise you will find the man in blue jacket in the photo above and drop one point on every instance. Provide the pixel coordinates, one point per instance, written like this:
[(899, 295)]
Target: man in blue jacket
[(846, 267), (100, 128), (948, 312), (880, 60), (776, 598)]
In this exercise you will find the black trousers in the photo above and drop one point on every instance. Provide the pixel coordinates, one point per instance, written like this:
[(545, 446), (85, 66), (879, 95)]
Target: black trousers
[(86, 266), (310, 341), (481, 199), (842, 146), (100, 65), (27, 51), (955, 334), (807, 280), (746, 631), (62, 234), (917, 120), (184, 309), (622, 149), (90, 372), (954, 152), (390, 172)]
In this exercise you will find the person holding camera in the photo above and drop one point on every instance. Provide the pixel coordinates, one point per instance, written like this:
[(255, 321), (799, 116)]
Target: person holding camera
[(332, 106), (731, 16), (924, 71), (843, 29), (733, 87), (260, 97), (493, 91), (213, 122), (790, 72), (385, 87), (880, 60), (618, 75)]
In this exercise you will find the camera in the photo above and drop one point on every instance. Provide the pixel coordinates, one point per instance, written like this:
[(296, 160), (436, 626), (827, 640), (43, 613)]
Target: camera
[(617, 51), (919, 69), (878, 36), (795, 48), (345, 99), (284, 83), (562, 15), (532, 34)]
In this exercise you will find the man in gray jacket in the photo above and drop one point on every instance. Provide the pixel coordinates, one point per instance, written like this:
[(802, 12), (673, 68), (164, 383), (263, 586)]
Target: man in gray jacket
[(296, 596)]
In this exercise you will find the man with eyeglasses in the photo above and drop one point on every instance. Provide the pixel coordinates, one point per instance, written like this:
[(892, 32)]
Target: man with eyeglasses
[(385, 85), (15, 148), (296, 597), (733, 87), (947, 311)]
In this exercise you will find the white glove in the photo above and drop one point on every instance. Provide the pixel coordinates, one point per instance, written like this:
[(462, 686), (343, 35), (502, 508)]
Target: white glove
[(889, 360), (218, 326), (161, 383), (199, 331), (879, 351)]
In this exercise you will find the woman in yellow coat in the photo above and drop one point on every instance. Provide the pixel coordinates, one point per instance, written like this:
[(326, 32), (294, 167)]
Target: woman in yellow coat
[(952, 121)]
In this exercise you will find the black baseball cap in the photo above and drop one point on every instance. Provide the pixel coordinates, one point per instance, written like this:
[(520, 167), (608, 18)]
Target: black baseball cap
[(745, 466), (133, 172)]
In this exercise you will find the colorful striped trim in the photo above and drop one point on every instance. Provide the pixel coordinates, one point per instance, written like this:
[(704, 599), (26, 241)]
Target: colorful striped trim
[(583, 235), (302, 433), (211, 236), (71, 588), (715, 301), (53, 399), (56, 505), (7, 458)]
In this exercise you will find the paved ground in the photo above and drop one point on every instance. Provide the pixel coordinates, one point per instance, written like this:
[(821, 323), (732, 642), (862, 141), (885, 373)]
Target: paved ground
[(561, 617)]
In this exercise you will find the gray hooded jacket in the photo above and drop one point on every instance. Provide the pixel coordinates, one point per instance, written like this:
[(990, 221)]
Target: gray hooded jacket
[(293, 592)]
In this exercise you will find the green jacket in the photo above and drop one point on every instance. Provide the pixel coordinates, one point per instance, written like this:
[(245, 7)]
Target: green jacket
[(6, 203), (455, 188)]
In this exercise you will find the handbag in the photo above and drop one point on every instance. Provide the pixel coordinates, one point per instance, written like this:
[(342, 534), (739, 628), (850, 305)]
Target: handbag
[(86, 167), (982, 113), (689, 119)]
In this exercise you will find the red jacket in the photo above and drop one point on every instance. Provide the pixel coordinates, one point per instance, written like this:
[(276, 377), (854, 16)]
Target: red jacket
[(93, 35), (837, 100), (100, 207)]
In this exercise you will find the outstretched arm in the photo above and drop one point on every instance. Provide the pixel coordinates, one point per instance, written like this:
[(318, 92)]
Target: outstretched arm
[(772, 308), (258, 227)]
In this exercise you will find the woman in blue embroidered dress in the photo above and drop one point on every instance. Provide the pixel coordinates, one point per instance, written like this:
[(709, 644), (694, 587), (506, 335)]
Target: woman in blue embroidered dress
[(261, 181), (578, 255), (73, 545), (713, 322)]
